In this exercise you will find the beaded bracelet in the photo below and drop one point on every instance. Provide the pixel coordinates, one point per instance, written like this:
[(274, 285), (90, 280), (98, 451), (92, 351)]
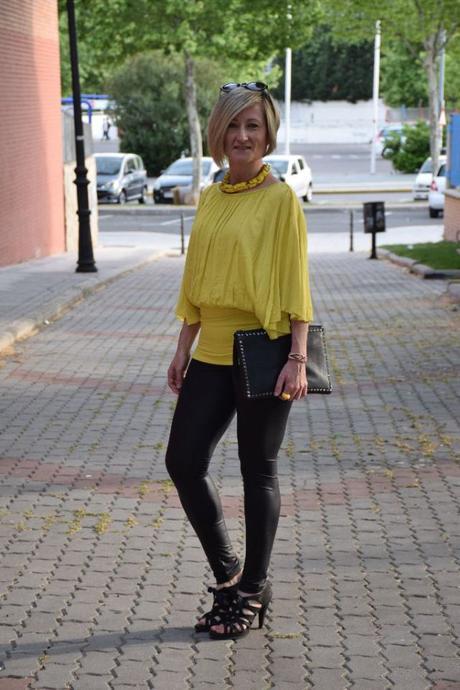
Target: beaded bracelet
[(297, 357)]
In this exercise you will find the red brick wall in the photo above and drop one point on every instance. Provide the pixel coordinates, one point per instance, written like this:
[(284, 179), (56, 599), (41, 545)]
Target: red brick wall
[(452, 216), (31, 168)]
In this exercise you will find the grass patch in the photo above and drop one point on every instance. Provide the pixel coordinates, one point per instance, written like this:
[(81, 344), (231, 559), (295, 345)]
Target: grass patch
[(434, 254)]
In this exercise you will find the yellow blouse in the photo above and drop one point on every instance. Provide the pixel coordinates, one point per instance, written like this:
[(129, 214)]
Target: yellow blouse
[(247, 252)]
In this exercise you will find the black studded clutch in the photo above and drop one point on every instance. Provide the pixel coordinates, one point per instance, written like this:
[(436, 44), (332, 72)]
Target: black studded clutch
[(260, 361)]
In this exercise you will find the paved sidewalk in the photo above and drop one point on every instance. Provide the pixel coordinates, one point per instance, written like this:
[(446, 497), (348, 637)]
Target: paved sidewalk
[(101, 575), (36, 292)]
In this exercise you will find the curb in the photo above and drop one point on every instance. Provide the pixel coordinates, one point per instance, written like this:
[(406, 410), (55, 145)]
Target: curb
[(22, 329), (310, 207)]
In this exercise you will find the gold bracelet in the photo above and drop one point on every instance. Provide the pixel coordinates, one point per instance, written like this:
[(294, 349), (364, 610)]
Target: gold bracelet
[(297, 357)]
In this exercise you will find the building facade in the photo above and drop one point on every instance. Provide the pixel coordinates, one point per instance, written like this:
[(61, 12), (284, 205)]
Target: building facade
[(31, 171)]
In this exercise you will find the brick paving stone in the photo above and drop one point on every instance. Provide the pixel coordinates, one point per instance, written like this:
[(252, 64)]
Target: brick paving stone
[(14, 683), (91, 682), (167, 680), (368, 668), (53, 677), (135, 672), (97, 663), (326, 679), (285, 670)]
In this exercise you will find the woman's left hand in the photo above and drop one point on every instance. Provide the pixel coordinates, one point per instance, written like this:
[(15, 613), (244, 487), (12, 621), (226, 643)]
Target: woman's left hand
[(292, 380)]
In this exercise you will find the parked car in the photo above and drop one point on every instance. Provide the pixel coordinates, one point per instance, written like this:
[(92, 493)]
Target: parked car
[(424, 178), (179, 174), (436, 193), (121, 177), (383, 136), (295, 171)]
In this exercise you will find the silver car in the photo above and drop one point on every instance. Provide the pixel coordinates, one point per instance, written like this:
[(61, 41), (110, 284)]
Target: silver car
[(179, 174), (121, 177)]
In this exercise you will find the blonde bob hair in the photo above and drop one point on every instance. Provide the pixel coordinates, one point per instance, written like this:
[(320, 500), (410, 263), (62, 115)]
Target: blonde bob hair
[(228, 106)]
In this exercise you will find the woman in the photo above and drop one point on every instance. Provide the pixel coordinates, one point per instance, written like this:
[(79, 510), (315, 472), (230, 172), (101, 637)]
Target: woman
[(246, 268)]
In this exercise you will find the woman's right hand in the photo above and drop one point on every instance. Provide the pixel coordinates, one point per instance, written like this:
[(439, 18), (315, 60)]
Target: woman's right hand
[(176, 371)]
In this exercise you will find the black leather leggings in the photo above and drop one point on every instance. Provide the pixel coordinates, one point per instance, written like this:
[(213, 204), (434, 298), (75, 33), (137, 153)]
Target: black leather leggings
[(207, 403)]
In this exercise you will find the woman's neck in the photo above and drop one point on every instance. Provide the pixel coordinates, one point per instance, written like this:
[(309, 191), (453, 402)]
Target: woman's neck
[(242, 173)]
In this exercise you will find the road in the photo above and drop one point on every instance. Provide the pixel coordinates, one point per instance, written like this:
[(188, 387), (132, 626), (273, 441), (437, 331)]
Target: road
[(320, 220), (340, 161)]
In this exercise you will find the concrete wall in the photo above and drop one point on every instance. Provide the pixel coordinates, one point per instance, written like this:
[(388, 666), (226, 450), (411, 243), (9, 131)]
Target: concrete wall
[(70, 189), (331, 122), (31, 177)]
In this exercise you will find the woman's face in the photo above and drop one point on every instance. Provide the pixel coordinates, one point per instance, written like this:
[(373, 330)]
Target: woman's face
[(245, 140)]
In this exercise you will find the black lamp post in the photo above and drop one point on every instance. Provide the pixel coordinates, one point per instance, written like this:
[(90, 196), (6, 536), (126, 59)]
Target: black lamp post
[(85, 263)]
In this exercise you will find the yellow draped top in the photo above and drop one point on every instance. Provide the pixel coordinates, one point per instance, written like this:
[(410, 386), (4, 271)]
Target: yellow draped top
[(246, 267)]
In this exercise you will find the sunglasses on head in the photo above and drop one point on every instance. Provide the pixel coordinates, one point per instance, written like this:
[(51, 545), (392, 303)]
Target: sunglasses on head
[(250, 86)]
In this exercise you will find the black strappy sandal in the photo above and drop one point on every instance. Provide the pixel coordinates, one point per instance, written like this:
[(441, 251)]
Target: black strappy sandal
[(240, 614), (222, 600)]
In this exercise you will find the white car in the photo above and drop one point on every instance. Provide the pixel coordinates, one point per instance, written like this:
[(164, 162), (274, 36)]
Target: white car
[(424, 178), (295, 171), (436, 193)]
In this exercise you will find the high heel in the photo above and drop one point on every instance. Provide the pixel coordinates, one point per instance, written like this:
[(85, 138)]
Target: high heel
[(241, 613), (222, 599)]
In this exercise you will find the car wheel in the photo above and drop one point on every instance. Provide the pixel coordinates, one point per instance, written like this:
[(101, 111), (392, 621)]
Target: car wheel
[(309, 195), (143, 198), (434, 213), (122, 198)]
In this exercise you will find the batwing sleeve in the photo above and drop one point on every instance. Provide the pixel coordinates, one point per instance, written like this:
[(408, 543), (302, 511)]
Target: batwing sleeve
[(289, 294), (185, 310)]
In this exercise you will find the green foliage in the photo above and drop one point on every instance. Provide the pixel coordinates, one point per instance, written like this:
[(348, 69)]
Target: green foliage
[(150, 112), (234, 32), (325, 69), (150, 107), (403, 80), (408, 151), (406, 22)]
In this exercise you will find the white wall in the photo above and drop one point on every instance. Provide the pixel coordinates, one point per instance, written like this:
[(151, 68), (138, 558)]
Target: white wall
[(331, 122)]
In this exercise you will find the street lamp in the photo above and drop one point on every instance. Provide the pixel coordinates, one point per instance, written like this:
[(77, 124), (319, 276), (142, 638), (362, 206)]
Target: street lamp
[(85, 263)]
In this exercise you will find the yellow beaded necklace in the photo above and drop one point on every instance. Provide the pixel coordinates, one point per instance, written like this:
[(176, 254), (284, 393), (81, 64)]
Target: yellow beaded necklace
[(228, 188)]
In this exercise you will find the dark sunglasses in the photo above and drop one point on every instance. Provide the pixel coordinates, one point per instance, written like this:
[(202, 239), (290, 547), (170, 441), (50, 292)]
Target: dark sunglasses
[(250, 86)]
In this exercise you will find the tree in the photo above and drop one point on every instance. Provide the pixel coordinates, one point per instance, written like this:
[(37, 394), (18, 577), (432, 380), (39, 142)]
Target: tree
[(321, 69), (150, 108), (230, 30), (148, 91), (403, 78), (423, 27)]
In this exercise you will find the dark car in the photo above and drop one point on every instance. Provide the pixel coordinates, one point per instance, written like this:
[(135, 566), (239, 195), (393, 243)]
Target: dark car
[(179, 174), (121, 177)]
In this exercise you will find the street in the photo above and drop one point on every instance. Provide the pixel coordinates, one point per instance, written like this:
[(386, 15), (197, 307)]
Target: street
[(319, 220)]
